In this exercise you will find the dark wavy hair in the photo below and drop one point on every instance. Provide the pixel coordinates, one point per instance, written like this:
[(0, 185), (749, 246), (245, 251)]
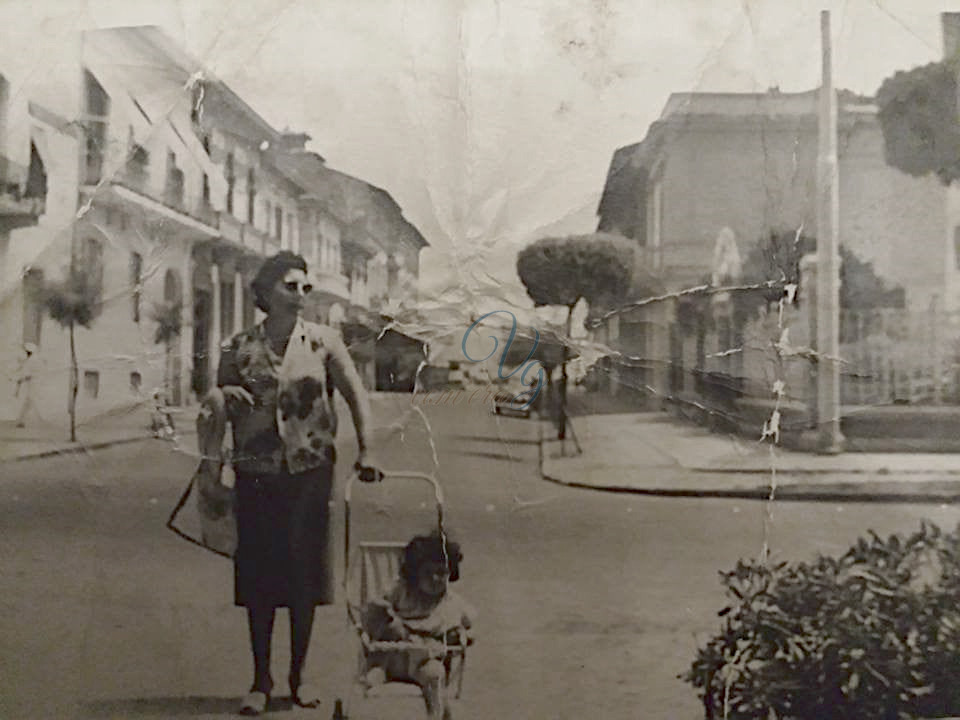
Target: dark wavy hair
[(271, 272), (430, 548)]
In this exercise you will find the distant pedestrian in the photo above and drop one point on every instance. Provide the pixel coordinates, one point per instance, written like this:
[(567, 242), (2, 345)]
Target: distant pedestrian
[(161, 421), (24, 391), (278, 380)]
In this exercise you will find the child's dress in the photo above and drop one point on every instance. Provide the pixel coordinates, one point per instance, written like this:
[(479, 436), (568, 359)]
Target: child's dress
[(402, 615)]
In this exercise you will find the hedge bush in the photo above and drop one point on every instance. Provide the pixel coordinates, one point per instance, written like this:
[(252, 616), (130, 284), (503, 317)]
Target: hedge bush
[(871, 635)]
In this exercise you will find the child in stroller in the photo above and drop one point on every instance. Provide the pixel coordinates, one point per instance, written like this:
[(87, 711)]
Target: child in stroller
[(423, 610)]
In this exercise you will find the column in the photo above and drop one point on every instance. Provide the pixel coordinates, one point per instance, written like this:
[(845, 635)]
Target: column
[(214, 348), (237, 302), (186, 328)]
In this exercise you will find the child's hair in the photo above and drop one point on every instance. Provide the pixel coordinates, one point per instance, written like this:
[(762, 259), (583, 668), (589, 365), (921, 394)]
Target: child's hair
[(430, 548)]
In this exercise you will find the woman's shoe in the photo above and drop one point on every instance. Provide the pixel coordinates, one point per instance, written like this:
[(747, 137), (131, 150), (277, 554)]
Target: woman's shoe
[(306, 695), (254, 703)]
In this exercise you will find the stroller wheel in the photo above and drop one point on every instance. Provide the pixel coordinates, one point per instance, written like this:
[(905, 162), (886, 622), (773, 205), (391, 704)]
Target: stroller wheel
[(338, 711)]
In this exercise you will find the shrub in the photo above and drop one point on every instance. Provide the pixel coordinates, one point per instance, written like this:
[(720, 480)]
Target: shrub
[(871, 635)]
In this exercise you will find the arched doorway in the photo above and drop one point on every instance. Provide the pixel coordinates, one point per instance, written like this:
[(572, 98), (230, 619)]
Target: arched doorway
[(173, 367)]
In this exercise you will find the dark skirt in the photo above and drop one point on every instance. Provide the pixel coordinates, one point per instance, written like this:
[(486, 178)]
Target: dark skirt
[(284, 549)]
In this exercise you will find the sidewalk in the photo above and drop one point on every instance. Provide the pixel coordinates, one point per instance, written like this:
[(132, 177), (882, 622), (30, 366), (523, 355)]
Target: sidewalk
[(47, 439), (133, 425), (651, 453)]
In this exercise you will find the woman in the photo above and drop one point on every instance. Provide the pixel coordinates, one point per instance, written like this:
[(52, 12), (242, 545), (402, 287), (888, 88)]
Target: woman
[(278, 380), (25, 373)]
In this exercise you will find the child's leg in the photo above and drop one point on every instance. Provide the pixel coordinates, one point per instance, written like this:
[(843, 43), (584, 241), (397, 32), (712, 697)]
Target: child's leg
[(431, 677)]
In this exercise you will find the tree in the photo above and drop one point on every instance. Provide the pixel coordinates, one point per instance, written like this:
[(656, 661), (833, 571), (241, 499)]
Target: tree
[(167, 315), (775, 263), (918, 117), (563, 270), (73, 302)]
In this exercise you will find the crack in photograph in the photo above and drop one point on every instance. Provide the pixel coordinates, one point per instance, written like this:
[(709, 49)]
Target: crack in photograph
[(453, 359)]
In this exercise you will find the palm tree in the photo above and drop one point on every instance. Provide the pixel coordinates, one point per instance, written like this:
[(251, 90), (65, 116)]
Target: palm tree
[(72, 302), (167, 315)]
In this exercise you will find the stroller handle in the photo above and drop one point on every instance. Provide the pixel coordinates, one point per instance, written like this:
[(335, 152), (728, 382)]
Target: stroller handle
[(387, 475)]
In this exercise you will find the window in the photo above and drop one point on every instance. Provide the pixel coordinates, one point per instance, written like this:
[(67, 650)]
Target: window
[(96, 112), (91, 383), (206, 190), (290, 233), (278, 218), (138, 161), (226, 309), (136, 382), (267, 216), (32, 305), (173, 190), (136, 282), (36, 176), (231, 181), (90, 261), (97, 100), (251, 195)]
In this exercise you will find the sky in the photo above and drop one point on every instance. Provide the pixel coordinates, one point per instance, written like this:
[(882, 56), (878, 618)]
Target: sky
[(493, 123)]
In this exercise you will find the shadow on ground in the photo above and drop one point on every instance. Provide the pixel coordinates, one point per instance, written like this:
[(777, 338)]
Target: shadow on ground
[(191, 706)]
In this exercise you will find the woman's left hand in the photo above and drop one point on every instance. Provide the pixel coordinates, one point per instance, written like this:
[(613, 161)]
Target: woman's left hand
[(366, 471)]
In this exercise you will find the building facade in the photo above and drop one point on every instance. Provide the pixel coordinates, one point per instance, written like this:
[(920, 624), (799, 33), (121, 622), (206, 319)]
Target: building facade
[(717, 174), (168, 189)]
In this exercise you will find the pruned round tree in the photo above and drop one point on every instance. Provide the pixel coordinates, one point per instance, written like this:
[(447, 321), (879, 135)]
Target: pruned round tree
[(918, 116), (564, 270)]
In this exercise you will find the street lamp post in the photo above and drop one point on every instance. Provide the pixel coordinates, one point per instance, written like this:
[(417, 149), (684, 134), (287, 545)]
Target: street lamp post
[(828, 258)]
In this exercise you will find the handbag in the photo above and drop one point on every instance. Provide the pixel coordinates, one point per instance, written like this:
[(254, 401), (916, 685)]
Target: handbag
[(205, 514)]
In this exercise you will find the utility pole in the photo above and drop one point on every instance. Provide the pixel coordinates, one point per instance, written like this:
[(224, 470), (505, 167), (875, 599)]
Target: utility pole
[(828, 257)]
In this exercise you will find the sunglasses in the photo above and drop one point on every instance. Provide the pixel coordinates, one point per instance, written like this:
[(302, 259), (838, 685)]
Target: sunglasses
[(293, 286)]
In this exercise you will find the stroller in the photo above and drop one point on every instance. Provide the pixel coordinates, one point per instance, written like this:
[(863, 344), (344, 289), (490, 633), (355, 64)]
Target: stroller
[(374, 570)]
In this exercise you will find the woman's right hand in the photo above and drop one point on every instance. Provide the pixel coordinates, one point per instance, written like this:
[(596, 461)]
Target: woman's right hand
[(237, 393)]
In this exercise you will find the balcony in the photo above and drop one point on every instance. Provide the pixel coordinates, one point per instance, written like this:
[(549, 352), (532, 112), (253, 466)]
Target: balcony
[(259, 241), (244, 235), (205, 214), (231, 229), (329, 285), (20, 205)]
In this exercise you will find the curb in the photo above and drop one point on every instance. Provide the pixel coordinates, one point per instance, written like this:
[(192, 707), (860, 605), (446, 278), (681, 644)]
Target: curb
[(818, 471), (786, 493), (73, 449)]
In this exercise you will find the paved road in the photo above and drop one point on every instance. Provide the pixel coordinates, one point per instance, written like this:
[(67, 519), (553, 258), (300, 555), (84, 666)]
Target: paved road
[(590, 603)]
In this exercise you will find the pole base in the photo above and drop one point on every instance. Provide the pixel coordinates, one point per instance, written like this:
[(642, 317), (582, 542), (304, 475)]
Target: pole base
[(830, 441)]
